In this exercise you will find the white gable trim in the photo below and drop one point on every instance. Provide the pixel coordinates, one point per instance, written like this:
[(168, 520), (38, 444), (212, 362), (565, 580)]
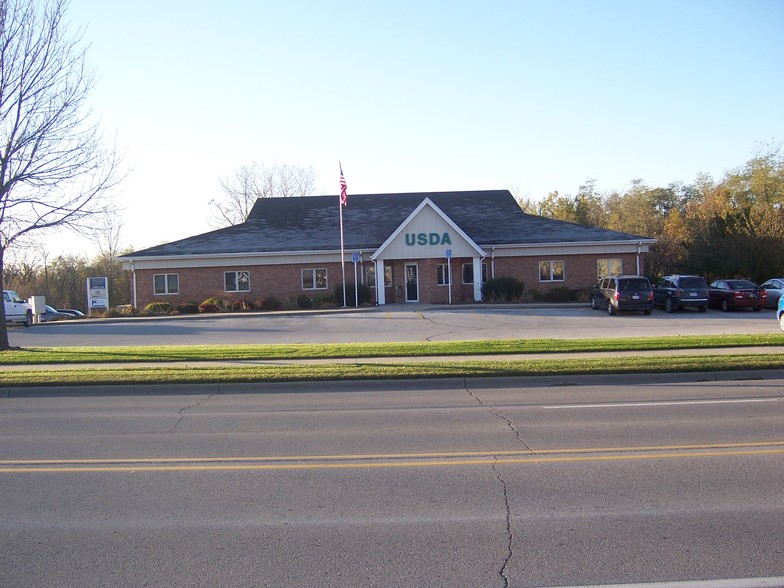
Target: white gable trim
[(427, 202)]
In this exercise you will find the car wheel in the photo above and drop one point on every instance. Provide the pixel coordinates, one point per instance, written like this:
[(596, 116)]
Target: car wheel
[(28, 319), (594, 306), (610, 308), (757, 308), (725, 306), (668, 305), (647, 311), (701, 309)]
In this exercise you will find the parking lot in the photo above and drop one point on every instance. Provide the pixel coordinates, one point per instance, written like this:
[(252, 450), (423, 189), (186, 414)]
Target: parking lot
[(390, 323)]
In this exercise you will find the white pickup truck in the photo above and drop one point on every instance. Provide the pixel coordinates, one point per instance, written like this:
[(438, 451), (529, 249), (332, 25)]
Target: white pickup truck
[(16, 309)]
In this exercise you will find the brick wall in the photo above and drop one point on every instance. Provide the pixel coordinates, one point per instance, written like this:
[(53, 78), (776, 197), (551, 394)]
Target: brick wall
[(284, 282)]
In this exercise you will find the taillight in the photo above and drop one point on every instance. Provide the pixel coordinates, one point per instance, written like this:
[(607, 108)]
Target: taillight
[(617, 295)]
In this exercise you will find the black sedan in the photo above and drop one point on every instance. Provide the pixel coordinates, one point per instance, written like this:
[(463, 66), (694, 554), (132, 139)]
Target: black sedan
[(731, 294)]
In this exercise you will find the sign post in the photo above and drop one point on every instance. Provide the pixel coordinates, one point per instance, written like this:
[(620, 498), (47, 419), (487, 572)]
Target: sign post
[(355, 259), (97, 294)]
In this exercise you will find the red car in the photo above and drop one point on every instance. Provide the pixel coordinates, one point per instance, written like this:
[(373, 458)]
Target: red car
[(730, 294)]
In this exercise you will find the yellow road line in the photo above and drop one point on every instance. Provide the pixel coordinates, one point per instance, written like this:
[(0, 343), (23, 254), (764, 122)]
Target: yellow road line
[(367, 456), (392, 464)]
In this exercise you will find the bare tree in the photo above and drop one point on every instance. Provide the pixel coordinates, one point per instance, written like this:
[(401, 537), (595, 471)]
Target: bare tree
[(249, 182), (55, 171)]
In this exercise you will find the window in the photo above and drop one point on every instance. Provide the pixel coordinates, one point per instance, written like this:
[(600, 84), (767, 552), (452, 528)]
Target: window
[(468, 273), (236, 281), (371, 276), (166, 283), (442, 274), (551, 271), (314, 279), (609, 267)]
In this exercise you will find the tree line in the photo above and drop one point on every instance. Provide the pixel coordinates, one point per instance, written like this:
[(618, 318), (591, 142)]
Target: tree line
[(727, 228)]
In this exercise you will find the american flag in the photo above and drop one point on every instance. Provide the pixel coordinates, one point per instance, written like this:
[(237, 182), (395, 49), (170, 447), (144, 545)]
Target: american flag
[(343, 188)]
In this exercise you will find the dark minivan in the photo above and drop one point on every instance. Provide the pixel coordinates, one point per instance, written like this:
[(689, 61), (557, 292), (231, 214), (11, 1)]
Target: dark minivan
[(677, 291), (619, 293)]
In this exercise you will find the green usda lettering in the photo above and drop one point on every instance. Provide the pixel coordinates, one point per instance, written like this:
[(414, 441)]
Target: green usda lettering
[(428, 239)]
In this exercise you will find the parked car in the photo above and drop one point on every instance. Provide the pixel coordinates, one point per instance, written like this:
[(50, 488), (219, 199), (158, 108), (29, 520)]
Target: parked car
[(53, 314), (731, 294), (681, 291), (16, 309), (620, 293), (72, 311), (780, 313), (774, 287)]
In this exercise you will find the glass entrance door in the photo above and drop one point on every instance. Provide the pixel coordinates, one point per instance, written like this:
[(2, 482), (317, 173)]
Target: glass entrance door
[(412, 283)]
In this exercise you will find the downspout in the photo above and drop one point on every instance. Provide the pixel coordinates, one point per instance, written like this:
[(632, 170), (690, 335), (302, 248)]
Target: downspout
[(133, 285), (639, 268)]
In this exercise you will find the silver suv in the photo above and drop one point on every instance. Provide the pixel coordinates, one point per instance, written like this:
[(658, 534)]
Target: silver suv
[(681, 291)]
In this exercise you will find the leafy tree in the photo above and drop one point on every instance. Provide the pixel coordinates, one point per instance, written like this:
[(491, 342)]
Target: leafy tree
[(558, 207), (54, 168)]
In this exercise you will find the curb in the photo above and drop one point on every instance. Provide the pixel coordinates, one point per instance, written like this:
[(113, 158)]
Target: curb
[(348, 386)]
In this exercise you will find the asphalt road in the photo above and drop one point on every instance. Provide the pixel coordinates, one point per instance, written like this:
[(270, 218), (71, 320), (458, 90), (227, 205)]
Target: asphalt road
[(392, 485), (394, 323)]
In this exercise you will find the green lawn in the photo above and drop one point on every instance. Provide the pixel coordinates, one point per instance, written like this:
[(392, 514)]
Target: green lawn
[(39, 366), (191, 353)]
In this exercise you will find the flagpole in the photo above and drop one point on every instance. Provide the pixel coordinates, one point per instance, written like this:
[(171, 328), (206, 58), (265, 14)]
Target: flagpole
[(342, 257), (342, 201)]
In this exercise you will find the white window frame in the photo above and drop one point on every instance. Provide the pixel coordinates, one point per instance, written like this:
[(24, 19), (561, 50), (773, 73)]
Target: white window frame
[(314, 278), (550, 263), (443, 270), (166, 289), (237, 281), (471, 266), (370, 276), (609, 266)]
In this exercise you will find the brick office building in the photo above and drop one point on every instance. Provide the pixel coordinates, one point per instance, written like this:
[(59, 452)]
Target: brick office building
[(404, 246)]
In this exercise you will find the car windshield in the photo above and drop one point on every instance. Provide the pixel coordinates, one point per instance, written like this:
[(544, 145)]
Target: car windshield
[(692, 283), (741, 285), (636, 284)]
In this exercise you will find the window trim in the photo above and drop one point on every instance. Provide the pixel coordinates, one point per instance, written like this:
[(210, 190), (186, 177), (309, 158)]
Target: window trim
[(443, 269), (608, 261), (471, 265), (166, 278), (236, 281), (550, 263), (314, 278)]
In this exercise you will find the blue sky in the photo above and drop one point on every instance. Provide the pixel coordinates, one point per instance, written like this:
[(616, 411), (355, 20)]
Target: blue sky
[(427, 96)]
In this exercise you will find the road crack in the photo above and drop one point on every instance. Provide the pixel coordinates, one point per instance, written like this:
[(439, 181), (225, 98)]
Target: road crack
[(500, 414), (181, 412), (509, 535), (497, 412)]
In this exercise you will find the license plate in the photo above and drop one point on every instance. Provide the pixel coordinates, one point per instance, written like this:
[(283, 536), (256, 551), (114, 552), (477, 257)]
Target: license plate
[(692, 294), (636, 297)]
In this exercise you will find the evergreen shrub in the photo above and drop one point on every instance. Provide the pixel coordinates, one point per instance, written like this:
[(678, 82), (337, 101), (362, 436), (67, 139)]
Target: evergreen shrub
[(503, 289), (363, 295), (271, 303)]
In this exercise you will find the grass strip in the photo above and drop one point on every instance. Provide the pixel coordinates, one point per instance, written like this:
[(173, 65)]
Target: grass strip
[(369, 370), (169, 353)]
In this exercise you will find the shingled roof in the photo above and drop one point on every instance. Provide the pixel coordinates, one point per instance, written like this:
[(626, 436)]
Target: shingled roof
[(489, 217)]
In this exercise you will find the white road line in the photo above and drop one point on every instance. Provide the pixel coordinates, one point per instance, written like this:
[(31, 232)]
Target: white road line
[(729, 583), (662, 403)]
